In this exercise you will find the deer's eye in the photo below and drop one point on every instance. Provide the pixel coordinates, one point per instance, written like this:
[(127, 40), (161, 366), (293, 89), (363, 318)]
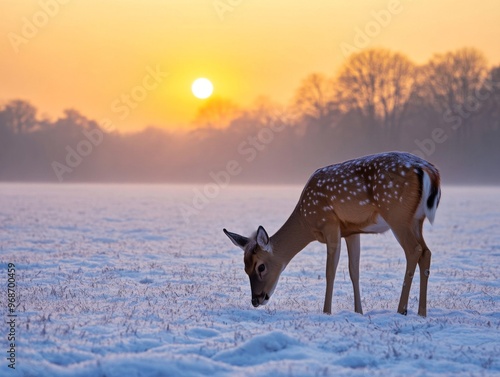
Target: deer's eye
[(261, 268)]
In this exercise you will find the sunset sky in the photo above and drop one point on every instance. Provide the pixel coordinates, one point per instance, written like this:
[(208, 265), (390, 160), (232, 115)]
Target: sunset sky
[(88, 54)]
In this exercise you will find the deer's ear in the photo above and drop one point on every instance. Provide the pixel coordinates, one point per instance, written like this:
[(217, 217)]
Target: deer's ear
[(263, 239), (238, 240)]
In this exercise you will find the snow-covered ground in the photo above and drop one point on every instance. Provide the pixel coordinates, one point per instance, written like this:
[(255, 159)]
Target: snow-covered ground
[(113, 282)]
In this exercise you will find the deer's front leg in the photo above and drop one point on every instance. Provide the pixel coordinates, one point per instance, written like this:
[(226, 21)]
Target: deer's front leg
[(332, 236), (353, 249)]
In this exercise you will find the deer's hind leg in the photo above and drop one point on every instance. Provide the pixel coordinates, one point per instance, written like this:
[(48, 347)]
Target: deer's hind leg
[(416, 252), (424, 265)]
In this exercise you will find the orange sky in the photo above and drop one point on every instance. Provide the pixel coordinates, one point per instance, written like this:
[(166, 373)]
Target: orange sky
[(88, 54)]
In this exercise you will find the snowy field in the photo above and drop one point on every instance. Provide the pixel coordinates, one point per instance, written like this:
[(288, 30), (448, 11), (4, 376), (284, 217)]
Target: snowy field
[(112, 282)]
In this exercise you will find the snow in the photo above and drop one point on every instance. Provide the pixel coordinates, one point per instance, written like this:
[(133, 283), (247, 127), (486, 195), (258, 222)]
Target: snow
[(113, 282)]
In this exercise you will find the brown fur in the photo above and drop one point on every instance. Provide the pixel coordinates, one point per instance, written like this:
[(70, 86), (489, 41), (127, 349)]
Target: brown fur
[(367, 195)]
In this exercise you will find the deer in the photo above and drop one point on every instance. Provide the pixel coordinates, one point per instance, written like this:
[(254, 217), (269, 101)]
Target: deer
[(393, 191)]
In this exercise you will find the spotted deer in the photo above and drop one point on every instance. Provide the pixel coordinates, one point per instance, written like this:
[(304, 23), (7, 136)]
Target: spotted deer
[(370, 194)]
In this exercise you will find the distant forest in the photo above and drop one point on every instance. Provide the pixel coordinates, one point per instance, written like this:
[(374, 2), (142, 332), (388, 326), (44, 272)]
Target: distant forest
[(447, 111)]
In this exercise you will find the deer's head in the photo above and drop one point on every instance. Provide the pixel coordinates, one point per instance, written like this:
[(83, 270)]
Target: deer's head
[(261, 265)]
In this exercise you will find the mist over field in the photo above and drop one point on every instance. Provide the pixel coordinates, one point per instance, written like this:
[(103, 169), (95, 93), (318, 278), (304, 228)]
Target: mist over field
[(447, 111)]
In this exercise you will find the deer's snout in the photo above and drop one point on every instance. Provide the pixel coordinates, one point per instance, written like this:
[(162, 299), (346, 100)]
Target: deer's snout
[(261, 299)]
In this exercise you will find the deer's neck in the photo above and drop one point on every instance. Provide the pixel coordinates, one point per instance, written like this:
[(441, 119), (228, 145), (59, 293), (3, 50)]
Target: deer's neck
[(291, 238)]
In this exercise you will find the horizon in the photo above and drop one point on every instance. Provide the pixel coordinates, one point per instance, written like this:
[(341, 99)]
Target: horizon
[(247, 51), (145, 145)]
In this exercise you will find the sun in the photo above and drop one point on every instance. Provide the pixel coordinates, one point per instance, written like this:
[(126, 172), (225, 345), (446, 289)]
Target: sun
[(202, 88)]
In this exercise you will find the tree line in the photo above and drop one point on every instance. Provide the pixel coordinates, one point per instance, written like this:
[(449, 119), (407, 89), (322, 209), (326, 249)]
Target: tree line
[(446, 110)]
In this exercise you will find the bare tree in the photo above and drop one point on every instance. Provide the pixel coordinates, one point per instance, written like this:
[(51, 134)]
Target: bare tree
[(19, 116), (314, 97), (265, 111), (451, 84), (217, 112), (378, 83), (489, 113), (450, 79), (492, 86)]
